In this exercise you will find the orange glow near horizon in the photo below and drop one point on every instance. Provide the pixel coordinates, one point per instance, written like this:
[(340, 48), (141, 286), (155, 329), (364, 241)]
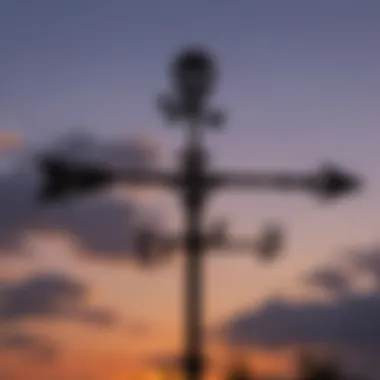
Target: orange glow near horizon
[(114, 365)]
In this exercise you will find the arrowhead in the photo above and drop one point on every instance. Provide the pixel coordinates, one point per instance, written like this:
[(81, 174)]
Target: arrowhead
[(333, 183)]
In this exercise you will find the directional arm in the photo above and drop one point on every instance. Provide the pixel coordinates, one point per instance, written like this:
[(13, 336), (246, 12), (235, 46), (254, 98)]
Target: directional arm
[(153, 247), (147, 177), (62, 178), (329, 182), (260, 180)]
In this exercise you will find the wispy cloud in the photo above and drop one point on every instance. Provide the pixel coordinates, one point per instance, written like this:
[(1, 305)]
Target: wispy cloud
[(348, 321), (50, 296), (367, 261), (38, 347), (332, 280)]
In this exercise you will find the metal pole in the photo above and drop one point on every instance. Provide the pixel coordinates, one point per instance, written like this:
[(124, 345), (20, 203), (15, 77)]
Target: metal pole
[(194, 192), (193, 298)]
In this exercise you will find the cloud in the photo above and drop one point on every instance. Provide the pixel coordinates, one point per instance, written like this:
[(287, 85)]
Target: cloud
[(84, 219), (350, 320), (367, 261), (37, 346), (17, 206), (48, 296), (138, 152), (103, 227), (331, 280)]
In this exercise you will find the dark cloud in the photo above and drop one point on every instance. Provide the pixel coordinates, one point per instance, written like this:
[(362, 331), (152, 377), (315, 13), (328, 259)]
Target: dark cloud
[(17, 206), (349, 323), (352, 321), (331, 280), (37, 346), (367, 261), (50, 296), (87, 218), (103, 227), (139, 152)]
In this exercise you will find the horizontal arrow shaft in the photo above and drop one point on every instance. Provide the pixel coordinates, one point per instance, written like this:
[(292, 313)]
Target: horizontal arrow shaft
[(147, 178), (261, 180), (215, 180)]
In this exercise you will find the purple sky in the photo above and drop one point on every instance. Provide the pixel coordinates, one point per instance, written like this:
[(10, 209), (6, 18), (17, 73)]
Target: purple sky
[(300, 79)]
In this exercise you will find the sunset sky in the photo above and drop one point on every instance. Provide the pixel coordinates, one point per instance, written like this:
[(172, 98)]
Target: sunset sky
[(300, 82)]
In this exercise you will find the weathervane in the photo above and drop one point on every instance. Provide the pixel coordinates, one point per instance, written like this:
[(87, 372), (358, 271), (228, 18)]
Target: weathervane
[(193, 77)]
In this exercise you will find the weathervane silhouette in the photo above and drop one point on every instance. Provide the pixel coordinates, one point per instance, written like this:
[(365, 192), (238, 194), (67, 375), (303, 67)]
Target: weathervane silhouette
[(193, 76)]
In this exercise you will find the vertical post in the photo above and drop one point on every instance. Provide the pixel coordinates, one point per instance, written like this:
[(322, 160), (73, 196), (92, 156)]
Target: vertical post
[(194, 192), (193, 298)]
